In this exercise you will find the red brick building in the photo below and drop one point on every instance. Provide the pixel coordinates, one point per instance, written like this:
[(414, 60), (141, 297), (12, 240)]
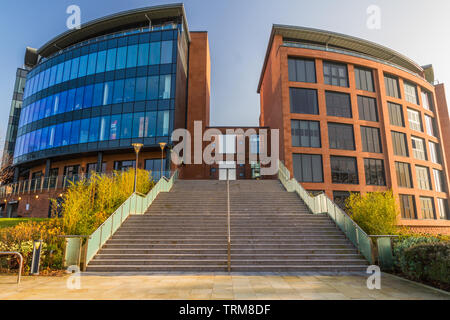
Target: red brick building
[(355, 116)]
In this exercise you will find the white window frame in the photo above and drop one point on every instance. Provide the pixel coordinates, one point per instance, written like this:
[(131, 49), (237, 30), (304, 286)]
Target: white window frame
[(414, 120), (418, 146)]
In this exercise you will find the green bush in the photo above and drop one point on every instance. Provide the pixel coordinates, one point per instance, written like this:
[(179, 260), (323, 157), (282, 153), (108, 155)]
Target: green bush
[(374, 212), (405, 242), (427, 262)]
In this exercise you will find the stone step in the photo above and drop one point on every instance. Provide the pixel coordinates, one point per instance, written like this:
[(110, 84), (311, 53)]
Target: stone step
[(173, 261), (154, 268), (270, 246), (225, 251)]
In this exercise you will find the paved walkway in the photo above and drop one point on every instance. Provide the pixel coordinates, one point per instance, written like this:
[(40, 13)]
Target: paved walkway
[(215, 286)]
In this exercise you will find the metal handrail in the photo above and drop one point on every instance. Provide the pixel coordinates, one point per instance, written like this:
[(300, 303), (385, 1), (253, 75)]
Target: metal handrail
[(228, 222), (20, 264)]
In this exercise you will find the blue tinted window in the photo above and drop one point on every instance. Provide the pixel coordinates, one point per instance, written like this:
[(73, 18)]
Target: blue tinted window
[(31, 146), (129, 89), (152, 88), (58, 135), (79, 98), (53, 76), (126, 125), (74, 71), (66, 75), (111, 59), (93, 129), (166, 52), (155, 53), (165, 82), (151, 123), (63, 101), (121, 57), (98, 95), (49, 105), (84, 131), (141, 88), (118, 91), (104, 128), (37, 140), (132, 56), (143, 54), (101, 62), (44, 134), (75, 132), (46, 78), (51, 137), (42, 108), (108, 93), (66, 133), (92, 63), (36, 111), (87, 100), (83, 66), (71, 100), (163, 124), (115, 127), (139, 125)]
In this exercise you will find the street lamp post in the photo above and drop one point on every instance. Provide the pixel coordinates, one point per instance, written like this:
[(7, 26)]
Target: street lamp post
[(137, 148), (162, 145)]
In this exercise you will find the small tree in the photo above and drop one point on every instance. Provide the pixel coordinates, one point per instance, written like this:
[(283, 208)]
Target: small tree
[(374, 212)]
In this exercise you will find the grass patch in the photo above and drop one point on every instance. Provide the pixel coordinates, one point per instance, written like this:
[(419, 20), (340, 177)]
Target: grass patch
[(11, 222)]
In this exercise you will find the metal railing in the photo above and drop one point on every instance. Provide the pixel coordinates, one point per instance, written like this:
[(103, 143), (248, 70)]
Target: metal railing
[(136, 204), (228, 222), (4, 253), (322, 204)]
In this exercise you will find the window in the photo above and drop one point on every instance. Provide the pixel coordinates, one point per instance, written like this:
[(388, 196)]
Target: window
[(166, 52), (427, 101), (415, 122), (301, 70), (163, 124), (363, 79), (374, 170), (427, 207), (403, 171), (340, 136), (92, 167), (344, 170), (71, 171), (367, 108), (418, 146), (154, 166), (303, 101), (227, 144), (127, 121), (391, 86), (308, 167), (435, 154), (335, 74), (423, 178), (164, 86), (407, 207), (438, 181), (254, 144), (370, 138), (338, 104), (399, 144), (155, 53), (340, 198), (140, 125), (152, 87), (410, 92), (443, 208), (124, 165), (305, 134), (431, 127)]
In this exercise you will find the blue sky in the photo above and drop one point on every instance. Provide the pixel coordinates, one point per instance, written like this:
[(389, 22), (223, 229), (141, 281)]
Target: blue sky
[(238, 33)]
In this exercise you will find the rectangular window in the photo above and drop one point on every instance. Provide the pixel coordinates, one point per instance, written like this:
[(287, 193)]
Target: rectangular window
[(101, 62), (152, 87), (340, 136), (344, 170), (301, 70), (308, 167), (423, 178), (340, 198), (127, 122), (166, 52), (370, 138), (141, 88), (92, 63), (114, 131), (111, 59), (427, 101), (396, 114), (104, 128), (124, 165), (163, 124), (403, 171), (155, 53), (374, 170), (415, 122), (140, 125), (418, 146), (84, 131), (121, 59), (118, 91), (83, 66), (391, 86), (443, 209), (407, 207), (435, 153), (75, 132), (438, 181), (132, 56), (129, 89), (427, 208), (303, 101), (399, 144), (93, 129), (410, 92), (363, 79), (335, 74), (431, 126), (143, 54), (338, 104), (165, 86), (367, 108), (305, 134)]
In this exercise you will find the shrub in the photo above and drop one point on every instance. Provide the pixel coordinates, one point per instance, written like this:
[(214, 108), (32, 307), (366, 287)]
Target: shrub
[(427, 262), (89, 202), (374, 212)]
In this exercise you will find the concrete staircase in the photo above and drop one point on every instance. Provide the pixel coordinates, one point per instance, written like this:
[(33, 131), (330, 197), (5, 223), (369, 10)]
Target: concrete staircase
[(186, 230)]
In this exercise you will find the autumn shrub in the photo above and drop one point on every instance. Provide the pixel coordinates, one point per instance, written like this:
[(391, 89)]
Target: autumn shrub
[(374, 212)]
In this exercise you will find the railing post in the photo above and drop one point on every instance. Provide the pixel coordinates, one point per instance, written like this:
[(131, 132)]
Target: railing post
[(229, 221)]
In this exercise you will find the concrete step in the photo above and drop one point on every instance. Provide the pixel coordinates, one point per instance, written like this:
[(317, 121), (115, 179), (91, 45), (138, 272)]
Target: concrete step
[(225, 251), (155, 268)]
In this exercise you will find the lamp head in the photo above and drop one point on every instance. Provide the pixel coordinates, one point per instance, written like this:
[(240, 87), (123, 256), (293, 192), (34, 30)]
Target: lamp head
[(137, 147), (162, 145)]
